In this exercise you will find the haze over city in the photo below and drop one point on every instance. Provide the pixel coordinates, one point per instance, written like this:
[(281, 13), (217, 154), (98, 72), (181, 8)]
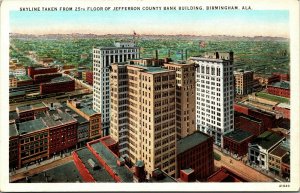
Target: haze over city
[(229, 22)]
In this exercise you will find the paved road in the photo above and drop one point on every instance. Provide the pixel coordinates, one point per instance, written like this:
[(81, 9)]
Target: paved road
[(240, 168), (40, 168)]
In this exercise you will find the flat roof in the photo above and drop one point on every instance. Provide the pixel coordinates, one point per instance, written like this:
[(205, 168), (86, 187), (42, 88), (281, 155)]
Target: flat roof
[(151, 69), (78, 117), (56, 118), (279, 151), (100, 175), (63, 173), (163, 177), (13, 131), (191, 141), (238, 135), (30, 107), (17, 93), (282, 84), (31, 126), (23, 78), (267, 139), (111, 160), (60, 79), (284, 105), (13, 115)]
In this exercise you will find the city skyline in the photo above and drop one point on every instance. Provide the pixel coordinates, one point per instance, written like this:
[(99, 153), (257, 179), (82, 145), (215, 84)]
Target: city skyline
[(244, 23)]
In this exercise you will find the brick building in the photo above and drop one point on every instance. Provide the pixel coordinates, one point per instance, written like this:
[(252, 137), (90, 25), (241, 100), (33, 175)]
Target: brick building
[(280, 89), (195, 151), (24, 80), (282, 77), (34, 142), (41, 78), (31, 71), (59, 84), (84, 108), (236, 142), (88, 77), (28, 112), (225, 175), (266, 118), (13, 146), (250, 124), (243, 82), (284, 109), (285, 166)]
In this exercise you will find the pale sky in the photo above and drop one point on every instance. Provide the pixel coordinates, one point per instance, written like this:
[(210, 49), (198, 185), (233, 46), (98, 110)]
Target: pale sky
[(233, 22)]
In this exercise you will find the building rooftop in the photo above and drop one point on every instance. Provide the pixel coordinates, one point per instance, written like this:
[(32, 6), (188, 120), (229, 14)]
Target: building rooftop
[(30, 107), (100, 174), (17, 93), (23, 78), (238, 135), (31, 126), (60, 79), (56, 117), (161, 176), (267, 139), (191, 141), (13, 131), (284, 105), (151, 69), (279, 151), (282, 84), (13, 115), (63, 174), (225, 175), (111, 160), (79, 118)]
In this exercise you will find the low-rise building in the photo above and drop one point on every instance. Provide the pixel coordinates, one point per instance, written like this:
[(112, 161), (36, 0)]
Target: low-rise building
[(225, 175), (59, 84), (28, 112), (280, 89), (23, 80), (13, 146), (84, 108), (33, 142), (195, 151), (275, 159), (284, 109), (12, 81), (260, 147), (236, 142)]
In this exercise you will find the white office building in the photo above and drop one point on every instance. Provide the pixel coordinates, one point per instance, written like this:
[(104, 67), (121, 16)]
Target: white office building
[(103, 57), (215, 94)]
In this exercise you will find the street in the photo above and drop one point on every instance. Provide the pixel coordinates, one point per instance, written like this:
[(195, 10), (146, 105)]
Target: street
[(240, 168)]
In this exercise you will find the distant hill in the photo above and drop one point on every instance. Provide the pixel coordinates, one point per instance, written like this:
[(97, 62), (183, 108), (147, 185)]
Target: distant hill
[(146, 36)]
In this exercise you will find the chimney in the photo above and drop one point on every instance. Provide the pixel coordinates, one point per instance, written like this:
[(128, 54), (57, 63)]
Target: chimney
[(182, 54), (187, 175), (156, 55), (186, 53)]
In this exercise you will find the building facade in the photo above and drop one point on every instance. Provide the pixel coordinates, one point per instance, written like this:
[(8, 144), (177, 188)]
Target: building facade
[(102, 59), (185, 98), (143, 114), (196, 152), (59, 84), (260, 147), (243, 82), (280, 89), (215, 94)]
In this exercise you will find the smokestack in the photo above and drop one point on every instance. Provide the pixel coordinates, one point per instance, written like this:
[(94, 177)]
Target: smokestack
[(169, 54), (156, 55), (182, 54)]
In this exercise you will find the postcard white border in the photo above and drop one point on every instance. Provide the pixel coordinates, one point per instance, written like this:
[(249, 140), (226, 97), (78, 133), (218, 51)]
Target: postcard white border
[(291, 5)]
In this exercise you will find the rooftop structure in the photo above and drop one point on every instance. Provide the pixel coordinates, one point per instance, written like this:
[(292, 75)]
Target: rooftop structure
[(238, 135), (23, 78), (191, 141), (225, 175), (13, 131)]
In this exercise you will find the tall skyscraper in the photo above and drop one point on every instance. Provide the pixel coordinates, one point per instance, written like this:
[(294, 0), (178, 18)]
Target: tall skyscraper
[(143, 114), (185, 97), (215, 94), (103, 57)]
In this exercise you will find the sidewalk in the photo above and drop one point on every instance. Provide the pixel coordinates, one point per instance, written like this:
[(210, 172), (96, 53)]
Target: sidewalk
[(45, 162)]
